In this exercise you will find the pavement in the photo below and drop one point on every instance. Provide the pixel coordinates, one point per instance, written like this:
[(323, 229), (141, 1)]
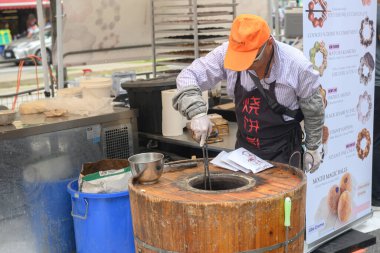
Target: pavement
[(372, 227)]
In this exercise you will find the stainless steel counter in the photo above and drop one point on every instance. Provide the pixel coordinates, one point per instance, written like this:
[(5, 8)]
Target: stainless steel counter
[(33, 124), (228, 143)]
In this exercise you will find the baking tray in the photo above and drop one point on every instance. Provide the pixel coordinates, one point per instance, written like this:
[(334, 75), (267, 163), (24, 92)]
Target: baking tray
[(182, 53), (190, 22), (190, 31), (199, 14), (177, 62), (198, 6), (188, 46), (189, 38)]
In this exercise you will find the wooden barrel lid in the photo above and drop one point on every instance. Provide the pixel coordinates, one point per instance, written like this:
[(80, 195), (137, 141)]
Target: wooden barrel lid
[(173, 216), (174, 185)]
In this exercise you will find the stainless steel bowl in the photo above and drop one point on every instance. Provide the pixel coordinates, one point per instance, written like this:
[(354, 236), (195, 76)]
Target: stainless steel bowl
[(147, 167), (7, 117)]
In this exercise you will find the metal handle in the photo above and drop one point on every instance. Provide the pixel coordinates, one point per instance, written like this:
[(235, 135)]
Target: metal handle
[(206, 169), (84, 217), (295, 155)]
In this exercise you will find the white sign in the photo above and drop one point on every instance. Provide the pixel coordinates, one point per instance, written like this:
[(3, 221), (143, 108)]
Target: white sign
[(339, 39)]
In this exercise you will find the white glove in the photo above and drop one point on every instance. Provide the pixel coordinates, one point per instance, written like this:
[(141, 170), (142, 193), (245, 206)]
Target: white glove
[(201, 126), (311, 160)]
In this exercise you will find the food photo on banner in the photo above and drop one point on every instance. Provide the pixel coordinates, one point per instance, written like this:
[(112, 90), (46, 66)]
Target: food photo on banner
[(339, 41)]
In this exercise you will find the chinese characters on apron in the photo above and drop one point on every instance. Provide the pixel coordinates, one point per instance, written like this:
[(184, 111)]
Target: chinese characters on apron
[(261, 130)]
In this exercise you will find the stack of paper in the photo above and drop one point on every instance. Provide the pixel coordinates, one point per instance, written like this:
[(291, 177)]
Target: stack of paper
[(241, 160)]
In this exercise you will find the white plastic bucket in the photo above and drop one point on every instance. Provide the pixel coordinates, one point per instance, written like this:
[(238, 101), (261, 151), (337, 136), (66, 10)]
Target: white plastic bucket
[(70, 92), (96, 87)]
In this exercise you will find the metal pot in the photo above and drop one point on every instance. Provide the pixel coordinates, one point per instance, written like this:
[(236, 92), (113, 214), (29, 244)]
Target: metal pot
[(7, 117), (147, 168)]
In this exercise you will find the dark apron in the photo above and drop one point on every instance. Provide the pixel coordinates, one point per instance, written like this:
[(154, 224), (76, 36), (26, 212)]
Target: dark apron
[(261, 130)]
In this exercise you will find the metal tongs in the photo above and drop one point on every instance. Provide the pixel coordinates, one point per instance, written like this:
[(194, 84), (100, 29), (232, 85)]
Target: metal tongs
[(206, 176)]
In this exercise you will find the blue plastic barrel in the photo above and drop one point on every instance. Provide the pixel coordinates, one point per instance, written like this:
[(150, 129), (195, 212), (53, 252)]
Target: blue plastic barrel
[(49, 210), (102, 222)]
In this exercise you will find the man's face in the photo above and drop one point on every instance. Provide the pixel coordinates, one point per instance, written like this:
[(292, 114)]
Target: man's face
[(263, 54)]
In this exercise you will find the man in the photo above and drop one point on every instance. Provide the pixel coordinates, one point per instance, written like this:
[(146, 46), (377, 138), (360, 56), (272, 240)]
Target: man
[(376, 127), (31, 25), (269, 81)]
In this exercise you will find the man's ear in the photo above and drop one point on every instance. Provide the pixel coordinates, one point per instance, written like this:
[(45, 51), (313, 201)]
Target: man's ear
[(271, 40)]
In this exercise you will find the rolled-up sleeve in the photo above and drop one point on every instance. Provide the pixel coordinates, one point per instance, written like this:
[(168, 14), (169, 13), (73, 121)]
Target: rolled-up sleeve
[(308, 81), (206, 71), (311, 104)]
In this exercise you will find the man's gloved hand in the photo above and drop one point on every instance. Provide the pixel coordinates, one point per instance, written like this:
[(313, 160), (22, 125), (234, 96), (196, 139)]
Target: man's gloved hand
[(311, 160), (202, 127)]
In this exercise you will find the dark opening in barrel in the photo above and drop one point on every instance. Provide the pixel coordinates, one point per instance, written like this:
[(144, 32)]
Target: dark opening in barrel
[(222, 182)]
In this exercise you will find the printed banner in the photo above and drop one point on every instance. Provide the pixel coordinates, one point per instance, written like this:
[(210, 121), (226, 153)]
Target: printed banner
[(340, 40)]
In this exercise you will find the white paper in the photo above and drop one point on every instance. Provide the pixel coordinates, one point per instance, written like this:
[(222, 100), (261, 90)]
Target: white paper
[(248, 160), (235, 165), (217, 161)]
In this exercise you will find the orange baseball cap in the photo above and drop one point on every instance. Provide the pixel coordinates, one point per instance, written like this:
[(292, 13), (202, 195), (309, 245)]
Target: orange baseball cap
[(248, 34)]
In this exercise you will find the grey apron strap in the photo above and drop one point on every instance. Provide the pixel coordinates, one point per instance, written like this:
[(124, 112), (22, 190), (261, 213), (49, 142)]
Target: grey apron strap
[(272, 101)]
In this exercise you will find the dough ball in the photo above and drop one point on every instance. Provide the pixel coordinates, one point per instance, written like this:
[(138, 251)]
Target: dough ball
[(33, 107), (346, 182), (333, 199), (344, 206)]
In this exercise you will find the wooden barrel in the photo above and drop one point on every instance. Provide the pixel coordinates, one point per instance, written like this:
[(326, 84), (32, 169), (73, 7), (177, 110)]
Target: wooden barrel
[(243, 212)]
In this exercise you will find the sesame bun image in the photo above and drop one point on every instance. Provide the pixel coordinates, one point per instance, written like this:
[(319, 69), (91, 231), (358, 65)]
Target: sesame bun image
[(338, 206)]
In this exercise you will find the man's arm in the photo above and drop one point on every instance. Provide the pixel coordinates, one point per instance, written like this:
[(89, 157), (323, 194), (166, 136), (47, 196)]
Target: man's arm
[(311, 104), (203, 74), (314, 113)]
